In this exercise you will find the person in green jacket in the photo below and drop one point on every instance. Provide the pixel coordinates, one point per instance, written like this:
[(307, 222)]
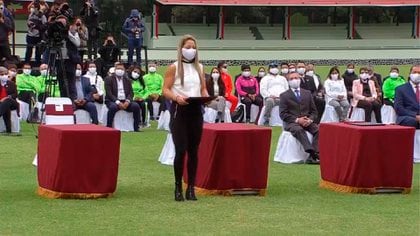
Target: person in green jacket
[(391, 82), (154, 84), (26, 85), (44, 82), (139, 90)]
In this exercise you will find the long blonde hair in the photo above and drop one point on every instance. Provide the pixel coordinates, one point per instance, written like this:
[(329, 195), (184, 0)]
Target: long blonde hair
[(196, 63)]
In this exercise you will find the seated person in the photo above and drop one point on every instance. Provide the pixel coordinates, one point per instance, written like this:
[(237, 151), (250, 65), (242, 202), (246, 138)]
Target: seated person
[(261, 74), (12, 72), (84, 99), (248, 90), (154, 83), (227, 80), (336, 94), (298, 112), (271, 86), (46, 82), (119, 96), (365, 96), (26, 85), (407, 100), (96, 81), (391, 82), (216, 87), (8, 94), (139, 90), (349, 76)]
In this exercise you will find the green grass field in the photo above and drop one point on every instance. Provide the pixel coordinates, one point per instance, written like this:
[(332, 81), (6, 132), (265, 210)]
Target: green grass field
[(143, 202)]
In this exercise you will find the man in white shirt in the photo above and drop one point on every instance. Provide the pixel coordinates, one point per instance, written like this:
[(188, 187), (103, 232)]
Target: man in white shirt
[(271, 86)]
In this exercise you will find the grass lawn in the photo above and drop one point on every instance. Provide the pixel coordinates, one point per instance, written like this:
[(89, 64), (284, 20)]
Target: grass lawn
[(143, 203)]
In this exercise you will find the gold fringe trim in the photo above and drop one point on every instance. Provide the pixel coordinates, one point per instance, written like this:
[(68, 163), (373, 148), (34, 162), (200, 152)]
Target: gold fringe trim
[(229, 192), (53, 194), (347, 189)]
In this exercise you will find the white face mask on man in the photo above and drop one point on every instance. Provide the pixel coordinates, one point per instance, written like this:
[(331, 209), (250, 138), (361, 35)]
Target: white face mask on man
[(152, 69), (92, 70), (393, 75), (294, 83), (119, 72), (44, 72), (415, 78), (274, 71), (27, 71)]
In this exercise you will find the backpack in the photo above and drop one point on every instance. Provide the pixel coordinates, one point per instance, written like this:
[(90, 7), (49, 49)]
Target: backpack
[(238, 114)]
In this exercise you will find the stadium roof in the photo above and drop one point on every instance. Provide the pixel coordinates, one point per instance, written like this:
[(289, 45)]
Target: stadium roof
[(292, 2)]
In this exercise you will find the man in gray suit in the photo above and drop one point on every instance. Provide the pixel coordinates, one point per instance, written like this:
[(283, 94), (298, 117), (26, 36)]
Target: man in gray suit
[(298, 112)]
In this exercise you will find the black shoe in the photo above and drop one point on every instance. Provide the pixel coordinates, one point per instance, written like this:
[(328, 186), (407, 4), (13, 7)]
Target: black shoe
[(178, 193), (311, 160), (190, 194)]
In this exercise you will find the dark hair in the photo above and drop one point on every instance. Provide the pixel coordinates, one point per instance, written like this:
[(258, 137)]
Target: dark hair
[(284, 64), (363, 68), (220, 64), (245, 66), (261, 67), (394, 68), (334, 68), (220, 83), (11, 66), (140, 79)]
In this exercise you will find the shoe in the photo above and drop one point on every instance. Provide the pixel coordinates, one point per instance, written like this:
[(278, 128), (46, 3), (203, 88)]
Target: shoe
[(248, 121), (178, 193), (190, 194), (266, 123), (313, 159), (216, 121)]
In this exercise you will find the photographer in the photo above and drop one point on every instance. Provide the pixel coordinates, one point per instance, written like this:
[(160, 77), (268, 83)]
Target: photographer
[(5, 28), (36, 28), (109, 53), (90, 14), (134, 28), (82, 30)]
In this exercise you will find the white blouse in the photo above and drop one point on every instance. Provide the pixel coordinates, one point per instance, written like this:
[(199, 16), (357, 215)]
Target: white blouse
[(192, 83)]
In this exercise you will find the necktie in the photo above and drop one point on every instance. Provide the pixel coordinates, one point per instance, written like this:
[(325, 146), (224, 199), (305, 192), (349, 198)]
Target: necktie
[(297, 94), (418, 93)]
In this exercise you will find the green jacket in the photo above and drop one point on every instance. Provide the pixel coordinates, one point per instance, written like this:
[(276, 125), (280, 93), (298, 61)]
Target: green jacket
[(41, 86), (26, 83), (389, 86), (138, 90), (154, 83)]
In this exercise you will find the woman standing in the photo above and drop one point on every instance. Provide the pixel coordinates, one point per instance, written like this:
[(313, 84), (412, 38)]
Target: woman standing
[(183, 79)]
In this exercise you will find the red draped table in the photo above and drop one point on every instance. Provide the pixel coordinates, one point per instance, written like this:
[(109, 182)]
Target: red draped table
[(233, 158), (366, 159), (77, 161)]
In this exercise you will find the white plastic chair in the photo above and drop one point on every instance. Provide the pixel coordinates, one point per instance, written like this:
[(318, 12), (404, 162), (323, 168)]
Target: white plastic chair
[(275, 119), (330, 115), (24, 110), (167, 155), (123, 121), (388, 114), (417, 146), (14, 121), (358, 114), (82, 116), (164, 119), (290, 150)]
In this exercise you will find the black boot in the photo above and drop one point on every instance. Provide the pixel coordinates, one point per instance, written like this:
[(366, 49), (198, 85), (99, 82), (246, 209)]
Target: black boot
[(190, 194), (178, 192)]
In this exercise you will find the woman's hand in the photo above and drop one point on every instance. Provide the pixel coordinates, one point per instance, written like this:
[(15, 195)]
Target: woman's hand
[(181, 100)]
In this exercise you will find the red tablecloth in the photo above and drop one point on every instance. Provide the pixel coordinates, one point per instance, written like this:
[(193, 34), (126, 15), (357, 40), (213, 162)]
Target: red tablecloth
[(77, 161), (366, 159), (233, 157)]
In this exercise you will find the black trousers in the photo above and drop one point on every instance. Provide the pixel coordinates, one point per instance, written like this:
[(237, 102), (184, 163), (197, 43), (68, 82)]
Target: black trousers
[(27, 96), (142, 105), (66, 76), (5, 108), (299, 133), (248, 102), (374, 106), (162, 107), (186, 127), (320, 107)]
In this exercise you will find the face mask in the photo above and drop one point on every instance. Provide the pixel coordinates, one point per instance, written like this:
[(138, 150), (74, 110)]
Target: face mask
[(32, 10), (261, 74), (12, 74), (246, 73), (393, 75), (4, 78), (350, 71), (224, 70), (78, 72), (44, 72), (415, 78), (135, 75), (119, 72), (274, 71), (334, 76), (189, 53), (292, 70), (310, 73), (294, 83), (284, 70), (27, 71), (215, 75), (152, 69), (301, 70), (92, 70), (364, 76)]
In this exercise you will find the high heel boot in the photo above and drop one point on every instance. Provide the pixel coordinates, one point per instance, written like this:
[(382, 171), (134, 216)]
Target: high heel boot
[(190, 194), (178, 192)]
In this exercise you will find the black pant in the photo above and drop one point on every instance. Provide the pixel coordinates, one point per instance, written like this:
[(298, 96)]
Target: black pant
[(320, 107), (5, 108), (5, 52), (388, 102), (27, 96), (142, 105), (133, 107), (162, 107), (186, 127), (248, 102), (66, 76), (299, 133), (374, 106)]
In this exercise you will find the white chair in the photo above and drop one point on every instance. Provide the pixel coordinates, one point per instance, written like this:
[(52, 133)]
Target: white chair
[(82, 116), (102, 116), (358, 114), (156, 106), (39, 105), (275, 119), (164, 119), (14, 121), (417, 146), (290, 150), (331, 116), (59, 111), (388, 114), (167, 155), (210, 115), (24, 110), (123, 121), (99, 107), (254, 112)]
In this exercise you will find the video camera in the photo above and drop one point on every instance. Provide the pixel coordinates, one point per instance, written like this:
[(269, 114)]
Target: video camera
[(56, 33)]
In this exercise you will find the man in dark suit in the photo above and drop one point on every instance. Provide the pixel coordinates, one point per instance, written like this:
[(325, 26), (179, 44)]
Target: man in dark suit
[(8, 95), (407, 100), (83, 98), (119, 96), (298, 112)]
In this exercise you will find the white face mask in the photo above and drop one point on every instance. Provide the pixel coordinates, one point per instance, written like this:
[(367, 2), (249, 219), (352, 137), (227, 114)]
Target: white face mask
[(78, 72), (32, 10), (301, 70), (261, 74), (246, 73), (12, 73), (27, 71), (274, 71), (152, 69), (92, 70), (44, 72), (119, 72), (364, 76), (284, 70), (393, 75), (415, 78), (224, 70), (310, 73), (4, 78), (135, 75), (350, 71), (215, 75), (189, 53), (334, 76), (292, 70), (294, 83)]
